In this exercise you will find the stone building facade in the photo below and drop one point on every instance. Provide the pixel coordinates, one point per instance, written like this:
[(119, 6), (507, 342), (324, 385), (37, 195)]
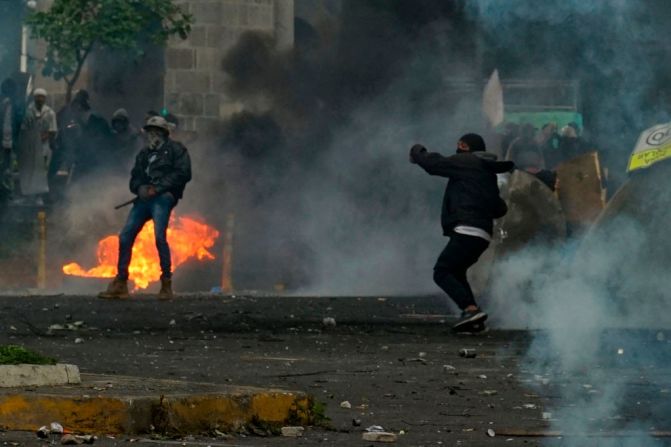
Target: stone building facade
[(190, 70), (194, 79)]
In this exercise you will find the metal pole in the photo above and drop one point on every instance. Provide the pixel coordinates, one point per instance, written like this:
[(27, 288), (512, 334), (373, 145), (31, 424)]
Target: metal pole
[(227, 258), (42, 250)]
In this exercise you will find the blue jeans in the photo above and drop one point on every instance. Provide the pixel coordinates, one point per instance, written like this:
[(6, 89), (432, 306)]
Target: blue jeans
[(157, 209)]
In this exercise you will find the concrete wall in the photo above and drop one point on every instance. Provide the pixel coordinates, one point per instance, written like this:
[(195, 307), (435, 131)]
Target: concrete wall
[(194, 79)]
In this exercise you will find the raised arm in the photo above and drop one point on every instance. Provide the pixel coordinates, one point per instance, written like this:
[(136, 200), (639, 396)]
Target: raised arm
[(432, 162)]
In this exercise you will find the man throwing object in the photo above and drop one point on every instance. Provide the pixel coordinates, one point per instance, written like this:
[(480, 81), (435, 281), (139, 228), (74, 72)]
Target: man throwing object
[(470, 205)]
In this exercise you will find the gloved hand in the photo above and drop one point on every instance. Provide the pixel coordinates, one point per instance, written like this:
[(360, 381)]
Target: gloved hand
[(146, 192), (414, 151)]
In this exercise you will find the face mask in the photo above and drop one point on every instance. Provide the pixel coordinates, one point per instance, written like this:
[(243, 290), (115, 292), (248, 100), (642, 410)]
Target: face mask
[(155, 138)]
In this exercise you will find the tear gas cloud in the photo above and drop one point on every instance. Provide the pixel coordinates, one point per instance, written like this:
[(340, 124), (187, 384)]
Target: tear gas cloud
[(613, 278)]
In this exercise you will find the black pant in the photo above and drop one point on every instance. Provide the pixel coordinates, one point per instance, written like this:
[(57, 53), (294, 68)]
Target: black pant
[(450, 271)]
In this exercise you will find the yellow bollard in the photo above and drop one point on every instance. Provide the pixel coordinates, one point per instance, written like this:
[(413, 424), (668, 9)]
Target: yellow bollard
[(42, 250), (227, 258)]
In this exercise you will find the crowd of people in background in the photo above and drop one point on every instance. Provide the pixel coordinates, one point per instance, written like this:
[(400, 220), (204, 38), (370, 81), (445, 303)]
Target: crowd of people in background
[(541, 151), (42, 151)]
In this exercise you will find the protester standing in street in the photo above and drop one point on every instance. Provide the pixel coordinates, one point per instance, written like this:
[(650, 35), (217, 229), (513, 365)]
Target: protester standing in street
[(470, 205), (10, 126), (161, 172), (37, 132)]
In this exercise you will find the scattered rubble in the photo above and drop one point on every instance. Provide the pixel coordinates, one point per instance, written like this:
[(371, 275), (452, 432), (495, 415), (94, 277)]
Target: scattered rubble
[(379, 436), (292, 432), (488, 393), (329, 322), (55, 429), (345, 404), (491, 433), (468, 353), (77, 439), (43, 432)]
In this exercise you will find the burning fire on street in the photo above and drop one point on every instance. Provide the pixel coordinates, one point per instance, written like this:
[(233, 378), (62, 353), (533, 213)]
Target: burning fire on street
[(188, 238)]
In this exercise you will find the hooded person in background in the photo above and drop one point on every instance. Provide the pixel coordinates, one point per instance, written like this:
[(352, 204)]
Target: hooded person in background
[(126, 140), (38, 130), (85, 146), (161, 172), (470, 205)]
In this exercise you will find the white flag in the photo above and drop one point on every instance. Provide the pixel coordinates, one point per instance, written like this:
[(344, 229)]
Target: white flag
[(492, 100)]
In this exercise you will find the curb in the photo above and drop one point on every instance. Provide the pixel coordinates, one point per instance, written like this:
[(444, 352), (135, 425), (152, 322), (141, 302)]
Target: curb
[(147, 405), (12, 376)]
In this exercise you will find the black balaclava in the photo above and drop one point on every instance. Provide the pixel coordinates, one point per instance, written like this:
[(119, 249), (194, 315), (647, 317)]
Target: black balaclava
[(474, 141)]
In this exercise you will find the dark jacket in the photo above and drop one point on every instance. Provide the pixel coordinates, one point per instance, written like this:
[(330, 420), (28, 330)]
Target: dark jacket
[(170, 171), (472, 193)]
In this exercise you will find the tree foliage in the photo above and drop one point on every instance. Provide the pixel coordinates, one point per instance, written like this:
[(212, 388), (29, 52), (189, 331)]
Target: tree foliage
[(73, 28)]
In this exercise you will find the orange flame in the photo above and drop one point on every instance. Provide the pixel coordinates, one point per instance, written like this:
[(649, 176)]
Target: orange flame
[(187, 237)]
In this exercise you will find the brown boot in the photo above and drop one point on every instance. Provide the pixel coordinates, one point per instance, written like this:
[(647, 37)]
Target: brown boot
[(117, 290), (166, 289)]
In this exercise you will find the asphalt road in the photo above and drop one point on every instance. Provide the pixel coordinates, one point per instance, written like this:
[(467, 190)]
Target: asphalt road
[(393, 359)]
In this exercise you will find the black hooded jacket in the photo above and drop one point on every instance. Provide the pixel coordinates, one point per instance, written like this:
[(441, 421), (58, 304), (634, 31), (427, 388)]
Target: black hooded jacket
[(472, 193), (169, 171)]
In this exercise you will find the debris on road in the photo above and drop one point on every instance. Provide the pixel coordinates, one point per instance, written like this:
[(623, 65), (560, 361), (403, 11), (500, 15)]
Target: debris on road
[(375, 428), (345, 404), (69, 440), (547, 415), (488, 393), (379, 436), (79, 340), (415, 359), (77, 439), (56, 428), (329, 322), (491, 433), (292, 432), (356, 422), (43, 432), (468, 353)]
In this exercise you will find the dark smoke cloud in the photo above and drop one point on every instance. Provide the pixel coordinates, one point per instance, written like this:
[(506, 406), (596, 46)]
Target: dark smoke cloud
[(322, 145)]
